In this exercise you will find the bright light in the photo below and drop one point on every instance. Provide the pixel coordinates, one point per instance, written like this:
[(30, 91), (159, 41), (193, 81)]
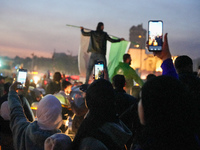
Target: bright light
[(140, 36), (159, 69), (137, 45), (36, 79)]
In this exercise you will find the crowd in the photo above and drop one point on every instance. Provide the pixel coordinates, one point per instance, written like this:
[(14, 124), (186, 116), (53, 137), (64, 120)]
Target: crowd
[(102, 115)]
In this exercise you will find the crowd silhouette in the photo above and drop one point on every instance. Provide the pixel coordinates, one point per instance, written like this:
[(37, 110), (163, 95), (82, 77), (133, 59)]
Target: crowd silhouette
[(102, 115)]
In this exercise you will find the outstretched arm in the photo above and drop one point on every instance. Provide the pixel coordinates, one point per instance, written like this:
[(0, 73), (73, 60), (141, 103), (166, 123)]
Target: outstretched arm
[(85, 33), (113, 40)]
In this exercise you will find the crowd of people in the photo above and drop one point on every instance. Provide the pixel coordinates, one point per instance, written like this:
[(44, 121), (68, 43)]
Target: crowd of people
[(104, 115)]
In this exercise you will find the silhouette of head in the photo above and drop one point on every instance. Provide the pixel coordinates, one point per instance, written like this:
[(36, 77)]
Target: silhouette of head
[(183, 64), (100, 26)]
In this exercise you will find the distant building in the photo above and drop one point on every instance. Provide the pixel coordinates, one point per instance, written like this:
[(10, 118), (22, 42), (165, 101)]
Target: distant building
[(142, 61), (137, 37)]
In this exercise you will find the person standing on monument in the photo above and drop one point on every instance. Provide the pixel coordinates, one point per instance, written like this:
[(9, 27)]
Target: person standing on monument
[(97, 47)]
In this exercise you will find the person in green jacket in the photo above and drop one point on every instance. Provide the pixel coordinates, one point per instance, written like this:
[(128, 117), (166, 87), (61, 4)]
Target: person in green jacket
[(129, 73)]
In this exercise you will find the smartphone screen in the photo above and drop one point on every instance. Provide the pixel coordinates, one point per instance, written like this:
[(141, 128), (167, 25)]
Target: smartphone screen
[(21, 77), (99, 70), (155, 35)]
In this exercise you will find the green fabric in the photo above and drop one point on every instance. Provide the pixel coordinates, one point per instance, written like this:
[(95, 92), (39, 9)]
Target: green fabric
[(117, 50), (129, 74), (61, 98)]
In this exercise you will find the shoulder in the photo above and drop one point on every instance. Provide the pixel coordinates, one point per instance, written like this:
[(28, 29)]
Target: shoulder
[(90, 143)]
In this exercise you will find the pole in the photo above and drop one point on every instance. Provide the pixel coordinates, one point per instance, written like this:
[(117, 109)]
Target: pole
[(74, 26)]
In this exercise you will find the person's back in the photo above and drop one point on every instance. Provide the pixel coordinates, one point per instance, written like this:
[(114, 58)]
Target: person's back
[(123, 100), (165, 112), (101, 129), (129, 73), (184, 67)]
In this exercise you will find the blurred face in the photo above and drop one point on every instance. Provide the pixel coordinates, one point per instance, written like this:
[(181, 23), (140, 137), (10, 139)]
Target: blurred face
[(102, 27), (2, 81), (128, 60), (68, 89)]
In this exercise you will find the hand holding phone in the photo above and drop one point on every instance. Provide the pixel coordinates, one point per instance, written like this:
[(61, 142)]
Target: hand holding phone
[(99, 70), (155, 35), (165, 53), (21, 78), (13, 87)]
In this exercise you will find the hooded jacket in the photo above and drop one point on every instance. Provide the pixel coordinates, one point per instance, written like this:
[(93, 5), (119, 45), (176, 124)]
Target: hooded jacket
[(26, 135), (118, 133), (129, 74)]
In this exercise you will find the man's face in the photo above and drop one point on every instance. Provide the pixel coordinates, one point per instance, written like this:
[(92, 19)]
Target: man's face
[(102, 27), (129, 60)]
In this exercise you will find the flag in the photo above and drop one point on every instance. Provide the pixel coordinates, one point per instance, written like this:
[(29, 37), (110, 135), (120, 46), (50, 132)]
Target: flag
[(114, 54)]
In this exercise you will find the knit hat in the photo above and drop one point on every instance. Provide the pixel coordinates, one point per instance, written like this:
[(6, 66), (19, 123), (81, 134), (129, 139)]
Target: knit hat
[(49, 113), (58, 141), (100, 94)]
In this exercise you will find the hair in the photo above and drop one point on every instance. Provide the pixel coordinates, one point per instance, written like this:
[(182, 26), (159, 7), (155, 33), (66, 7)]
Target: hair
[(99, 25), (100, 94), (183, 64), (150, 76), (57, 76), (119, 81), (65, 84), (125, 57), (6, 87)]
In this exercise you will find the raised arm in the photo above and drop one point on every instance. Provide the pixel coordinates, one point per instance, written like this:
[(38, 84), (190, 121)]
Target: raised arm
[(165, 55), (18, 120)]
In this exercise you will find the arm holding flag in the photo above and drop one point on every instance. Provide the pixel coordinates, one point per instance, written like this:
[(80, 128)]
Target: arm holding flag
[(113, 40), (85, 33)]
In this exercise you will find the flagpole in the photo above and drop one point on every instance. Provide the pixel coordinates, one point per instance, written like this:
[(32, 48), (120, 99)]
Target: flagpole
[(74, 26), (69, 25)]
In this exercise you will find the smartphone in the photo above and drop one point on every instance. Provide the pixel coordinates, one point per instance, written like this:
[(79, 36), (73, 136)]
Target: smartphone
[(155, 35), (21, 77), (99, 70)]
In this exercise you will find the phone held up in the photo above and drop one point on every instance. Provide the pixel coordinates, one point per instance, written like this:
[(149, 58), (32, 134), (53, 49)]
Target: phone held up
[(155, 35), (21, 77), (99, 70)]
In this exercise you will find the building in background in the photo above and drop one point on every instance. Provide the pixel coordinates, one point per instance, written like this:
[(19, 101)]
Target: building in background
[(142, 61)]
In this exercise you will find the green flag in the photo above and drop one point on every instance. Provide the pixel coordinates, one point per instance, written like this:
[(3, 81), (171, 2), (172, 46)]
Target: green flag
[(114, 55)]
